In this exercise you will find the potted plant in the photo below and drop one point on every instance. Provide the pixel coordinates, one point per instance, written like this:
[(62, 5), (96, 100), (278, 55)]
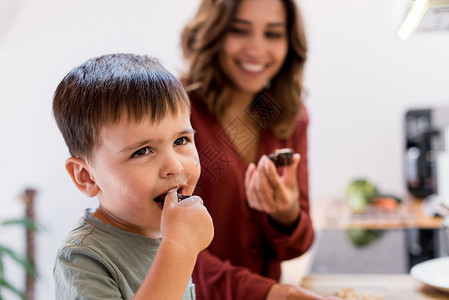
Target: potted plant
[(25, 261)]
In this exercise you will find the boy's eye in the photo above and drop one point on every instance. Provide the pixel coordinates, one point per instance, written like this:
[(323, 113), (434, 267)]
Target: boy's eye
[(181, 141), (141, 152)]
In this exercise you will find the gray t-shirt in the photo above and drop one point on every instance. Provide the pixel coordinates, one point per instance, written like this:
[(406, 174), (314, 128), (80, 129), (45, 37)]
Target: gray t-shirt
[(100, 261)]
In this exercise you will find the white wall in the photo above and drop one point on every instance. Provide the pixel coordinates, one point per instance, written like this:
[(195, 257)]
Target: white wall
[(360, 78)]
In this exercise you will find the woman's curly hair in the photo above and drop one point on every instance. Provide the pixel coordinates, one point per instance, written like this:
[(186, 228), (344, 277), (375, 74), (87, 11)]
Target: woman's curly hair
[(202, 40)]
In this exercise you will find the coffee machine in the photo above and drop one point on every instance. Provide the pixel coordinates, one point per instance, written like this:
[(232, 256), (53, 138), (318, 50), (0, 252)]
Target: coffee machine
[(425, 140)]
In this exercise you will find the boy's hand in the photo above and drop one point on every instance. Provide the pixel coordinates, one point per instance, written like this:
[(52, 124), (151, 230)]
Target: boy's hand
[(186, 224), (290, 292)]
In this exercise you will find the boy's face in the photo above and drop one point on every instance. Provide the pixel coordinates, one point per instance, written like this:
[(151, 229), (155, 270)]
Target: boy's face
[(137, 162)]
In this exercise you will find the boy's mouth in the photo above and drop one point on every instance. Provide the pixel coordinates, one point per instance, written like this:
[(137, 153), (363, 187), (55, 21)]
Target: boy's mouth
[(161, 198)]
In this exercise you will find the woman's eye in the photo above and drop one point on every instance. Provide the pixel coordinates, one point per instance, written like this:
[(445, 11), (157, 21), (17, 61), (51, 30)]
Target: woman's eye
[(141, 152), (274, 35), (237, 30), (181, 141)]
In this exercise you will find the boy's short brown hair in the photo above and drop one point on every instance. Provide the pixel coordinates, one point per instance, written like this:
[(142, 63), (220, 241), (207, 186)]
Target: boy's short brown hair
[(108, 88)]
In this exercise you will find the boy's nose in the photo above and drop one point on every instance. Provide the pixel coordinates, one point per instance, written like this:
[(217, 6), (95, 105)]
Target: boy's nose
[(171, 166)]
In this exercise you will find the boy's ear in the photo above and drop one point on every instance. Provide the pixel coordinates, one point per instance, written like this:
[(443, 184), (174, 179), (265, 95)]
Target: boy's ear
[(79, 171)]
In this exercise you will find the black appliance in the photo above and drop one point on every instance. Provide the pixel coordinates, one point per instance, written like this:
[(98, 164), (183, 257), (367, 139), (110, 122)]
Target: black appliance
[(423, 128)]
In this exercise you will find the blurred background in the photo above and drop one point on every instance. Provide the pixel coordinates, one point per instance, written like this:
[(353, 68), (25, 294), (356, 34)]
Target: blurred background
[(361, 80)]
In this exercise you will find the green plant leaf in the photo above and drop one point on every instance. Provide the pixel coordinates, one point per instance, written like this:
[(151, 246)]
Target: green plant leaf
[(24, 262), (5, 284), (1, 265), (25, 222)]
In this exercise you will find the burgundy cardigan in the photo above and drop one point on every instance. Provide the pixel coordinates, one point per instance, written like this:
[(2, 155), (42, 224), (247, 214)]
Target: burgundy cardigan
[(244, 237)]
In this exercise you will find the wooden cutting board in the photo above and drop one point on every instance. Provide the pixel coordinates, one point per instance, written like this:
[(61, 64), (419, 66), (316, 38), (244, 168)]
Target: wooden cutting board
[(387, 286)]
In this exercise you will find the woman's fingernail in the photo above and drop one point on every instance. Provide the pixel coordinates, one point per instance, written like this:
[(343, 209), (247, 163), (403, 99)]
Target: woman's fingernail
[(267, 164)]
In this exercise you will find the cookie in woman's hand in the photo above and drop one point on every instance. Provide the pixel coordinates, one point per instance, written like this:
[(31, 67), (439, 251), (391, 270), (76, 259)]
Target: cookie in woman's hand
[(282, 157)]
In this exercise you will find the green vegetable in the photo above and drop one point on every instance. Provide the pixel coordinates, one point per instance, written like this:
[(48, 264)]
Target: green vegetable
[(363, 237), (359, 194)]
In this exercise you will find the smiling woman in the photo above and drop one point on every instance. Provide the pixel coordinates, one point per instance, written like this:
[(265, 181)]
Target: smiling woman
[(255, 46), (246, 62)]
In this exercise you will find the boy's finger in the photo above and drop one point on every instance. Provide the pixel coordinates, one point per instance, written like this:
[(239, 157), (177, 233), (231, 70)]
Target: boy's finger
[(171, 199), (190, 201)]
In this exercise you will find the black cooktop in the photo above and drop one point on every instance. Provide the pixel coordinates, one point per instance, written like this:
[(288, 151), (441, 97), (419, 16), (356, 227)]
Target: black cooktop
[(377, 251)]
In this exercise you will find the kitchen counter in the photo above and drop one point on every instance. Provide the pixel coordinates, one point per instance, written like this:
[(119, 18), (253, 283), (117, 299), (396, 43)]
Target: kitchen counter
[(389, 284), (334, 213), (389, 287)]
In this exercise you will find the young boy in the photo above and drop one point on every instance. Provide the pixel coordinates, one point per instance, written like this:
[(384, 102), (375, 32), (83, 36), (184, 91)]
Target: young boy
[(125, 120)]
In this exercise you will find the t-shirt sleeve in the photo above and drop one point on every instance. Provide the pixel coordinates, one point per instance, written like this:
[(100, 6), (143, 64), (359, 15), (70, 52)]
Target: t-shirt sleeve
[(81, 274), (219, 280)]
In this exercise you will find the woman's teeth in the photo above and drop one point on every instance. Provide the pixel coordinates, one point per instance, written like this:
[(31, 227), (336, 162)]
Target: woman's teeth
[(252, 67)]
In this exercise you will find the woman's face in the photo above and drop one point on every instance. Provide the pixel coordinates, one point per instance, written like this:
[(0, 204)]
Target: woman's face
[(255, 45)]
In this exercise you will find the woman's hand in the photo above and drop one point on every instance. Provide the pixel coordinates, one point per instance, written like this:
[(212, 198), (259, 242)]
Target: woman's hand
[(274, 193), (290, 292)]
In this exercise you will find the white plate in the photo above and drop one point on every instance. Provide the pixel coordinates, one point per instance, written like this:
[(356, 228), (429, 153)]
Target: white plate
[(433, 272)]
